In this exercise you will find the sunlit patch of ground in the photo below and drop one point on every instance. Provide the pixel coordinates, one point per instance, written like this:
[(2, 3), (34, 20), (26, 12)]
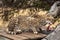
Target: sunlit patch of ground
[(24, 12), (27, 12), (3, 24)]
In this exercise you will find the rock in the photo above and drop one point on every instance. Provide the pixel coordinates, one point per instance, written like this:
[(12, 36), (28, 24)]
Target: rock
[(55, 35), (55, 9)]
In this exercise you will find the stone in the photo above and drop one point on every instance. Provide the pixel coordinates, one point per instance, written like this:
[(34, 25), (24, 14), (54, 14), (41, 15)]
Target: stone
[(54, 10), (55, 35)]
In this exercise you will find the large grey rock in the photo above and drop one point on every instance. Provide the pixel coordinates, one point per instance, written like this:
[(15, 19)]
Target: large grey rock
[(55, 8), (54, 35)]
